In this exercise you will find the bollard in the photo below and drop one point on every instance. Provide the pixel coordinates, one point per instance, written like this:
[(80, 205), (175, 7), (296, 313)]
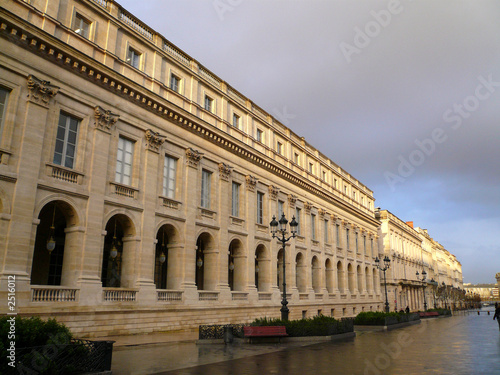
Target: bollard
[(228, 334), (478, 313), (488, 313)]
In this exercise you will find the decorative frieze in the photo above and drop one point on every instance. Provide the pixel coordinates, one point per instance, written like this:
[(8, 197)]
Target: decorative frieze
[(154, 140), (40, 91), (193, 157), (251, 182), (104, 119), (225, 171), (273, 192)]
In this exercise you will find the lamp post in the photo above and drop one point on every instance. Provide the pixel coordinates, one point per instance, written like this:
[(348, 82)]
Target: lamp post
[(387, 263), (280, 235), (434, 285), (424, 275)]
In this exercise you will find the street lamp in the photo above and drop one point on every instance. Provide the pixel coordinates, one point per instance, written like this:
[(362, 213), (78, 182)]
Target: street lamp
[(387, 263), (424, 275), (283, 239)]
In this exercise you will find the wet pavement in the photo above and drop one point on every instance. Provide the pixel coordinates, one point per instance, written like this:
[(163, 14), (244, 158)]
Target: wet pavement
[(463, 344)]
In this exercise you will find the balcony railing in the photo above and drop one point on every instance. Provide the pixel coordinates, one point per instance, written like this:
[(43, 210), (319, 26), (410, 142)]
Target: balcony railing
[(119, 295), (64, 174), (303, 296), (135, 24), (53, 294), (169, 295), (208, 296), (265, 296), (239, 296), (123, 190)]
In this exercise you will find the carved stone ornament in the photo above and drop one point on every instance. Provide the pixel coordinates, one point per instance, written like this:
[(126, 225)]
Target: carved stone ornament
[(154, 140), (334, 217), (292, 199), (308, 206), (193, 157), (225, 171), (104, 119), (39, 91), (273, 191), (251, 182), (321, 212)]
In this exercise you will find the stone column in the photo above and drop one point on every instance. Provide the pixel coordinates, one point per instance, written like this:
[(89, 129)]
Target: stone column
[(20, 238), (224, 201)]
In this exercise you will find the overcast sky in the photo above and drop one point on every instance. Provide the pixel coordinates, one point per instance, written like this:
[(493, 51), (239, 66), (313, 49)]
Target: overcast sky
[(404, 95)]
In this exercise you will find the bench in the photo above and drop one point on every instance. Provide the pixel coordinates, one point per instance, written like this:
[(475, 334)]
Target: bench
[(265, 331), (428, 314)]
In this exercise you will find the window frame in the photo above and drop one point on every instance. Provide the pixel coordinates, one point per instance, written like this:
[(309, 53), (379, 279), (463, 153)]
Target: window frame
[(80, 19), (235, 203), (131, 53), (236, 121), (259, 137), (3, 111), (206, 188), (260, 207), (167, 177), (121, 172), (175, 80), (209, 103), (65, 141)]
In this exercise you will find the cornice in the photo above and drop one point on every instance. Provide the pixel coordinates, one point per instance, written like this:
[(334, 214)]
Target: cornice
[(67, 57)]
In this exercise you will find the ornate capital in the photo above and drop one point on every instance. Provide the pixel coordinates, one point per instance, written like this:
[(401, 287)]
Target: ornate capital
[(104, 119), (308, 206), (321, 213), (193, 157), (292, 199), (273, 191), (225, 171), (154, 140), (334, 217), (251, 182), (39, 91)]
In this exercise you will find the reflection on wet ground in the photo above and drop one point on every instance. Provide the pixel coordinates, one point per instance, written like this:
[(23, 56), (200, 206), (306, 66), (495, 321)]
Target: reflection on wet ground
[(464, 344)]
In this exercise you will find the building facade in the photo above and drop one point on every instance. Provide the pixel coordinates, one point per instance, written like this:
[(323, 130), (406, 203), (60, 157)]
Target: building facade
[(422, 273), (137, 187)]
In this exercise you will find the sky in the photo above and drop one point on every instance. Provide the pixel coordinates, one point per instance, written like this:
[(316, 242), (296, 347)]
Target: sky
[(404, 95)]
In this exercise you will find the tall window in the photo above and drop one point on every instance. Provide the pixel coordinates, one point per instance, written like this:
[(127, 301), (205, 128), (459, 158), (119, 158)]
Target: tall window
[(67, 131), (206, 178), (4, 96), (364, 245), (81, 26), (235, 207), (326, 230), (296, 158), (134, 57), (371, 245), (311, 168), (347, 237), (313, 226), (281, 209), (260, 135), (356, 240), (260, 207), (337, 233), (236, 120), (209, 103), (169, 174), (124, 161), (324, 176), (175, 83), (297, 219), (279, 148)]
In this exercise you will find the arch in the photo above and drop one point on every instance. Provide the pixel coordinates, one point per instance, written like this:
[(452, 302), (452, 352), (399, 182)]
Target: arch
[(350, 278), (173, 232), (118, 261), (316, 274), (236, 265), (206, 262), (329, 279), (340, 277), (67, 205), (359, 277), (262, 269), (53, 254), (300, 273)]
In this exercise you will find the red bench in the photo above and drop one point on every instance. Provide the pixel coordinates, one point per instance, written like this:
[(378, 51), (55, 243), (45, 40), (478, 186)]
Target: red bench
[(265, 331), (428, 314)]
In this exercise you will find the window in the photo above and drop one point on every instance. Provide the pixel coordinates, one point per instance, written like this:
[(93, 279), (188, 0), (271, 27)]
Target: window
[(124, 161), (206, 178), (313, 226), (297, 219), (335, 183), (235, 207), (169, 174), (209, 103), (82, 26), (67, 131), (345, 189), (371, 245), (324, 176), (281, 209), (326, 231), (236, 120), (354, 195), (260, 207), (337, 234), (362, 201), (356, 240), (260, 135), (4, 96), (296, 158), (175, 83), (279, 148), (364, 244), (311, 168), (347, 238), (134, 58)]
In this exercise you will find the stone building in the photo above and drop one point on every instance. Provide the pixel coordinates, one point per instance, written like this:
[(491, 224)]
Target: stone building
[(414, 254), (137, 187)]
